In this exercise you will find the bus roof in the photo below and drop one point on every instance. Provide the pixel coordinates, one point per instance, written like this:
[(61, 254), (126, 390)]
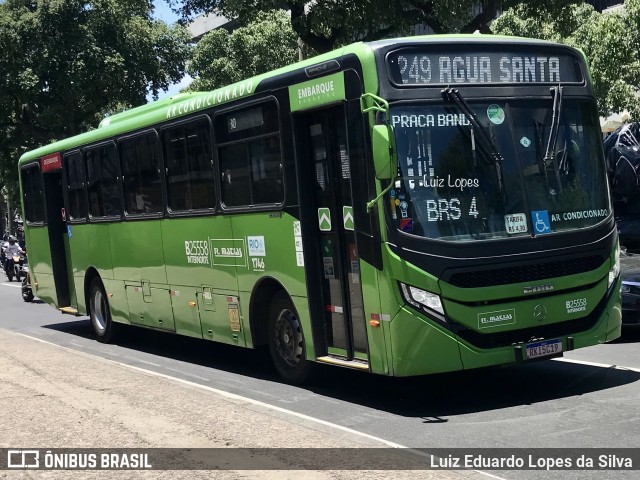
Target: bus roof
[(185, 103)]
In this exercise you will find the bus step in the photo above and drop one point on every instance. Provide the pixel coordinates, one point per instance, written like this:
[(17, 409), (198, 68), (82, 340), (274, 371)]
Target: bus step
[(357, 364), (69, 311)]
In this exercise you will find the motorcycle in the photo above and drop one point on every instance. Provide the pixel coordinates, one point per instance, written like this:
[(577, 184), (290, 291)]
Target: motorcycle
[(27, 292), (13, 267)]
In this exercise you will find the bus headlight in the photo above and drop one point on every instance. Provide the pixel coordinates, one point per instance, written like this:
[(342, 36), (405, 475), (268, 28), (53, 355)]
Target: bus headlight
[(615, 270), (422, 299)]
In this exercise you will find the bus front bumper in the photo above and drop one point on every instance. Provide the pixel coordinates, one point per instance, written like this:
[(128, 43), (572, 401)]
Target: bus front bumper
[(419, 346)]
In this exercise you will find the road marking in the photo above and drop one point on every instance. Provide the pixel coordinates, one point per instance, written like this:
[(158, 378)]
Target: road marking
[(12, 285), (148, 363), (239, 398), (187, 374), (595, 364)]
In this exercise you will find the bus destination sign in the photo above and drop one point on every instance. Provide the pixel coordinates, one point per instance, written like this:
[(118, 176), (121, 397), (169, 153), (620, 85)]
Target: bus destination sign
[(411, 67)]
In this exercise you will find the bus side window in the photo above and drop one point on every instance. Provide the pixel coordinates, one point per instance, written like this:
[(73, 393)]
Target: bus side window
[(250, 156), (141, 175), (74, 170), (189, 166), (102, 181), (234, 167), (32, 191)]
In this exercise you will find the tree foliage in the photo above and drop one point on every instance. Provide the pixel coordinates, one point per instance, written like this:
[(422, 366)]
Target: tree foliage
[(326, 24), (221, 58), (610, 41), (65, 62)]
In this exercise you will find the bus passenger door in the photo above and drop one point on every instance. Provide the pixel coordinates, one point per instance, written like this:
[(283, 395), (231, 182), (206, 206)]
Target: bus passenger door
[(58, 239), (323, 153)]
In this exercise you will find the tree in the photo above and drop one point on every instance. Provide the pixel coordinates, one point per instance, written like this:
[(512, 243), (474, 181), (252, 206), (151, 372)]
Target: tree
[(324, 25), (611, 42), (65, 62), (221, 58)]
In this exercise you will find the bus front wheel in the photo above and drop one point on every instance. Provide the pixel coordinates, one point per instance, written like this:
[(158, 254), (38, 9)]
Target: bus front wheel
[(286, 341), (100, 313)]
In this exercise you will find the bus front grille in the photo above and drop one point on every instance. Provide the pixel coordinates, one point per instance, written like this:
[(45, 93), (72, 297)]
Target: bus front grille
[(529, 273)]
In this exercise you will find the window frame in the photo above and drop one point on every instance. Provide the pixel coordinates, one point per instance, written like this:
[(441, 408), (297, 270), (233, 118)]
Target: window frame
[(279, 133), (199, 211), (106, 218), (33, 164), (65, 188), (163, 191)]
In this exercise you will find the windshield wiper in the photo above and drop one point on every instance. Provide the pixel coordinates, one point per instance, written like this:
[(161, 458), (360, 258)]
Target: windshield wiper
[(550, 154), (483, 138)]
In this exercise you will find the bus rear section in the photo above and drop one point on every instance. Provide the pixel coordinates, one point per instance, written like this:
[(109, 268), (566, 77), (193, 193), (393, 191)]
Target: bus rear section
[(46, 233)]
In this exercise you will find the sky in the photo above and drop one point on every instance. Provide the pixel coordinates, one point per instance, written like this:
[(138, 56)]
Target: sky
[(162, 11)]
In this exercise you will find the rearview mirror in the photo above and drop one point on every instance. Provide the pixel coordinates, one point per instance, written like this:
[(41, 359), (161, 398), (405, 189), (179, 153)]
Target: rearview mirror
[(383, 155)]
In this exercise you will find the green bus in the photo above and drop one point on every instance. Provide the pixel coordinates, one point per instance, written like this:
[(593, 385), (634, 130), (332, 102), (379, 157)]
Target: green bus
[(403, 207)]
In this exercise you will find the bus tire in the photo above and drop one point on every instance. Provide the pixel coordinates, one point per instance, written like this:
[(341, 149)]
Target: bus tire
[(286, 341), (100, 313)]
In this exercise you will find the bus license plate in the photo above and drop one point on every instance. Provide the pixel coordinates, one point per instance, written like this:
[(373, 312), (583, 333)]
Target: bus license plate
[(544, 349)]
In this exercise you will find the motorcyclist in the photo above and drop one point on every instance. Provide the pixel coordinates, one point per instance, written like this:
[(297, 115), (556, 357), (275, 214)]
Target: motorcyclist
[(11, 248)]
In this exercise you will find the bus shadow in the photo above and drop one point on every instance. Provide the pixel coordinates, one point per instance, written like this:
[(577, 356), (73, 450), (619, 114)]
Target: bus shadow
[(178, 347), (435, 397), (630, 334), (432, 397)]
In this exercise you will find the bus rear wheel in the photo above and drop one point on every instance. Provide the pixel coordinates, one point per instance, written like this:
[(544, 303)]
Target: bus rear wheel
[(100, 313), (286, 341)]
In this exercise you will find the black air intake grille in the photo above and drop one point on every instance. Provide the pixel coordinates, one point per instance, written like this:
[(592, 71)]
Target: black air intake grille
[(525, 273)]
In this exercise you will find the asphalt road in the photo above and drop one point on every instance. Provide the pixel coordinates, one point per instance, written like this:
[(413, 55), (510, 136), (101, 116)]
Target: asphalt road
[(588, 399)]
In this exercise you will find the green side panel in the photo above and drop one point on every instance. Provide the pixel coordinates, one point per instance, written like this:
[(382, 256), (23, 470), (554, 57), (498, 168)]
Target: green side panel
[(159, 309), (46, 289), (70, 277), (419, 347), (375, 335), (216, 320), (137, 307), (78, 284), (319, 91), (270, 250), (185, 311), (117, 297), (188, 253), (89, 245), (150, 306), (39, 253), (136, 249), (76, 270)]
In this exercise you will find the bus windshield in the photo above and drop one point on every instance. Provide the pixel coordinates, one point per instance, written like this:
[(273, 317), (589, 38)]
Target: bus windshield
[(456, 183)]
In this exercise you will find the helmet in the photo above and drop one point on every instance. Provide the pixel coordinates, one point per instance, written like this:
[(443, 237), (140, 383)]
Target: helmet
[(12, 239)]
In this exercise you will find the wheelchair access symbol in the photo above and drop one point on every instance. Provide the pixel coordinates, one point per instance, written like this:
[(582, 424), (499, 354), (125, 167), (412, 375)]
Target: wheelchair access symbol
[(541, 223)]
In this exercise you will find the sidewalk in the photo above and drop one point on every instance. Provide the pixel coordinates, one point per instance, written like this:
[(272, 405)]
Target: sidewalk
[(53, 397)]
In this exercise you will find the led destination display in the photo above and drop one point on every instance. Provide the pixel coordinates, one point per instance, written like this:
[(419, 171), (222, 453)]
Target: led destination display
[(411, 67)]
